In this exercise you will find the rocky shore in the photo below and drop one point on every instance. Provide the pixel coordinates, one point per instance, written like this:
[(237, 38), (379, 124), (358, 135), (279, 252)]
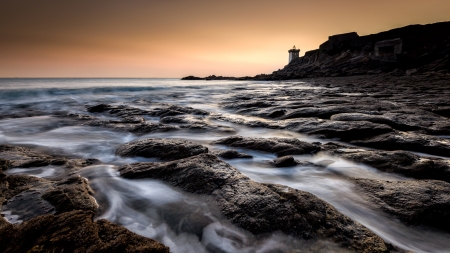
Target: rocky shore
[(388, 114)]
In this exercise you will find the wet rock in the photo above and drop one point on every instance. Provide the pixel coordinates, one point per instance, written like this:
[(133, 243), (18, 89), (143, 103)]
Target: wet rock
[(401, 162), (285, 161), (408, 141), (195, 123), (139, 128), (164, 149), (231, 154), (407, 120), (337, 129), (99, 108), (249, 123), (279, 146), (73, 232), (259, 208), (69, 194), (173, 110), (414, 202), (22, 157), (28, 196)]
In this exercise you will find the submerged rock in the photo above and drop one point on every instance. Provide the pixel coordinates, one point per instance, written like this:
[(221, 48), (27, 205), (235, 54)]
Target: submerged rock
[(73, 231), (164, 149), (414, 202), (231, 154), (259, 208), (195, 123), (279, 146)]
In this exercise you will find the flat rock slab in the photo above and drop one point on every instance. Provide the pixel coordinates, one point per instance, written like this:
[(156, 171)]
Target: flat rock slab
[(350, 130), (279, 146), (73, 232), (414, 202), (195, 123), (408, 141), (22, 157), (401, 162), (231, 154), (164, 149), (259, 208)]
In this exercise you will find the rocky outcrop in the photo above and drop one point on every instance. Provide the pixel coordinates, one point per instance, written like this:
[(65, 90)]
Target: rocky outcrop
[(73, 231), (164, 149), (279, 146), (414, 202), (401, 162), (259, 208), (408, 50)]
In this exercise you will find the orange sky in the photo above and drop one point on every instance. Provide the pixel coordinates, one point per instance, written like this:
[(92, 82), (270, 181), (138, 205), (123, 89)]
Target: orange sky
[(175, 38)]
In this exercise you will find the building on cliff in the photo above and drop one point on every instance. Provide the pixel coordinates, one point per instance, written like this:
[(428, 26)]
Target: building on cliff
[(293, 53)]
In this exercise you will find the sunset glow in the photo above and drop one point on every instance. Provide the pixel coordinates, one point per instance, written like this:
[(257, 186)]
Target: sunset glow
[(176, 38)]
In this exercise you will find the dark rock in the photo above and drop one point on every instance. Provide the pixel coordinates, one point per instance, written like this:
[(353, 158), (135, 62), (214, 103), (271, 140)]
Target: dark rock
[(408, 141), (136, 128), (284, 161), (195, 123), (231, 154), (22, 157), (259, 208), (165, 149), (337, 129), (69, 194), (73, 232), (99, 108), (279, 146), (414, 202), (401, 162), (28, 196)]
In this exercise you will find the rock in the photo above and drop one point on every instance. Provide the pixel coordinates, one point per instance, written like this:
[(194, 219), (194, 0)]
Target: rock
[(73, 232), (135, 128), (284, 161), (405, 121), (279, 146), (414, 202), (164, 149), (22, 157), (408, 141), (401, 162), (28, 197), (231, 154), (72, 193), (259, 208), (173, 110), (337, 129), (195, 123), (99, 108)]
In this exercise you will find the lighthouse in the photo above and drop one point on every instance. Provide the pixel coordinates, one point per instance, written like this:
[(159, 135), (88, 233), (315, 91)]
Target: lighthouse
[(293, 53)]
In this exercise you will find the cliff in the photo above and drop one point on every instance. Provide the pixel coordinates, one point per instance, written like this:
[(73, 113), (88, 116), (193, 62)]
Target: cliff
[(407, 50)]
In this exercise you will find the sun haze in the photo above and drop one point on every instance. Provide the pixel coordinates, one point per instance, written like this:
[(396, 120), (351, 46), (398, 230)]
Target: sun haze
[(174, 38)]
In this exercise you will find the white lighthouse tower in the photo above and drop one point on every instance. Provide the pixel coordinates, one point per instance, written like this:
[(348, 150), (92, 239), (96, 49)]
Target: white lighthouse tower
[(293, 53)]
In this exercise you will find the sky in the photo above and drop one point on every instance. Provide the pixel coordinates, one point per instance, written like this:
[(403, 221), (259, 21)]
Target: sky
[(176, 38)]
